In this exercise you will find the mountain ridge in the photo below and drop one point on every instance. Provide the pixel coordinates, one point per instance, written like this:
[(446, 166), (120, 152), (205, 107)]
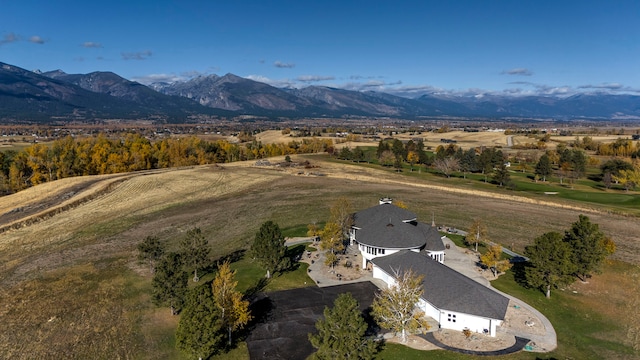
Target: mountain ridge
[(45, 96)]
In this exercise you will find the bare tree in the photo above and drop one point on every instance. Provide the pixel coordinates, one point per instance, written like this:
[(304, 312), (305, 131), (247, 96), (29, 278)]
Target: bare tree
[(447, 165)]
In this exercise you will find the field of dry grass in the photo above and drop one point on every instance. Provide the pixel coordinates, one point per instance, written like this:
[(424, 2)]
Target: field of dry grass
[(71, 277)]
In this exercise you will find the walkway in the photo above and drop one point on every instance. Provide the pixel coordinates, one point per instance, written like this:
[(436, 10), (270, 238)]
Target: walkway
[(518, 346)]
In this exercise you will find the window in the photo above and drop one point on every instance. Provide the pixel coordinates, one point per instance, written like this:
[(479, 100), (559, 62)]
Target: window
[(451, 317)]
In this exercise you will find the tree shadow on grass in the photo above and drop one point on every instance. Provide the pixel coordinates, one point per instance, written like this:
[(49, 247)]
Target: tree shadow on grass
[(254, 290), (519, 270)]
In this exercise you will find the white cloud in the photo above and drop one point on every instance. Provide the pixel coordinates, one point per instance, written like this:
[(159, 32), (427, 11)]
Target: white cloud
[(281, 83), (91, 44), (605, 86), (9, 38), (36, 40), (280, 64), (151, 78), (314, 78), (141, 55), (518, 71)]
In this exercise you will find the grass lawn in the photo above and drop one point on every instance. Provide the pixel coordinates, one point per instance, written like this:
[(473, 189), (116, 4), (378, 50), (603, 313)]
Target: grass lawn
[(581, 314), (250, 274)]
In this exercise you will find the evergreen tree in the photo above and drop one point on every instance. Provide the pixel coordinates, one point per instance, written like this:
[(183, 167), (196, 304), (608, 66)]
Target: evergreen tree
[(150, 250), (269, 248), (394, 307), (543, 167), (397, 147), (468, 161), (382, 147), (501, 175), (200, 333), (358, 154), (195, 249), (341, 334), (170, 282), (588, 246), (235, 313), (345, 153), (550, 264)]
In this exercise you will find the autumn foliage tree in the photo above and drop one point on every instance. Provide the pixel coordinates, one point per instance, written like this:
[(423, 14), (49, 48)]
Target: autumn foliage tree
[(394, 307), (493, 260), (477, 233), (126, 152), (235, 313)]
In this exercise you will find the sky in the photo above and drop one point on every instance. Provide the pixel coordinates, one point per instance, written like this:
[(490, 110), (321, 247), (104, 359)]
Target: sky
[(407, 48)]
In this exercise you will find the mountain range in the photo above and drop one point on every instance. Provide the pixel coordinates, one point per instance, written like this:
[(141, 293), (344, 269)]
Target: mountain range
[(54, 95)]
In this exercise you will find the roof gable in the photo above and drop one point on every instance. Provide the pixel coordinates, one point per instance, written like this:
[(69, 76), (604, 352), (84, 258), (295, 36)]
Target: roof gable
[(446, 288)]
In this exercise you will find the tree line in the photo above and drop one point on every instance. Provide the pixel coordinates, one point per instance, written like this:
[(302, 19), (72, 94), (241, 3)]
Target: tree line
[(68, 157), (567, 162)]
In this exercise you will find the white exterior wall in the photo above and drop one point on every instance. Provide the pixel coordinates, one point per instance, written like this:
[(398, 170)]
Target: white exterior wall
[(474, 323), (429, 310), (465, 321)]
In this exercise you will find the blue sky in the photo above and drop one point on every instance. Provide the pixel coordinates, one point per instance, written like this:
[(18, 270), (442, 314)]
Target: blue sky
[(403, 47)]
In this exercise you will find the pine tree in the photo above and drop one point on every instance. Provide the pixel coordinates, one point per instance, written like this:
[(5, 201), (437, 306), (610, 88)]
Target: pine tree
[(588, 246), (501, 174), (150, 250), (269, 248), (235, 313), (200, 333), (543, 167), (550, 264), (341, 334), (394, 307), (195, 249), (170, 282)]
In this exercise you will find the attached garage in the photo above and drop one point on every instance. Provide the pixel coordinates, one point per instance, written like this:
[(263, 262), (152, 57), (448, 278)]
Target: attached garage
[(449, 297)]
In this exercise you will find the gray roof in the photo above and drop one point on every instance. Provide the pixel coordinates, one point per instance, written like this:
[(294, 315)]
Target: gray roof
[(433, 237), (380, 213), (388, 226), (446, 288)]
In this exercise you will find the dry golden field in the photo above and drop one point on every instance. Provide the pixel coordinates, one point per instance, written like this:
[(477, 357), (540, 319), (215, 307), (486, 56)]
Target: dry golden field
[(70, 283)]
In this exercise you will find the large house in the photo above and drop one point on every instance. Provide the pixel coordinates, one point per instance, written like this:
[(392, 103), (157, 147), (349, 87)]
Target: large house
[(391, 241), (386, 229)]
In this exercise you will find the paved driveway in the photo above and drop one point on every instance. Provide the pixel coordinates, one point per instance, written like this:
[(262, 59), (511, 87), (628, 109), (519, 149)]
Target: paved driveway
[(287, 317)]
